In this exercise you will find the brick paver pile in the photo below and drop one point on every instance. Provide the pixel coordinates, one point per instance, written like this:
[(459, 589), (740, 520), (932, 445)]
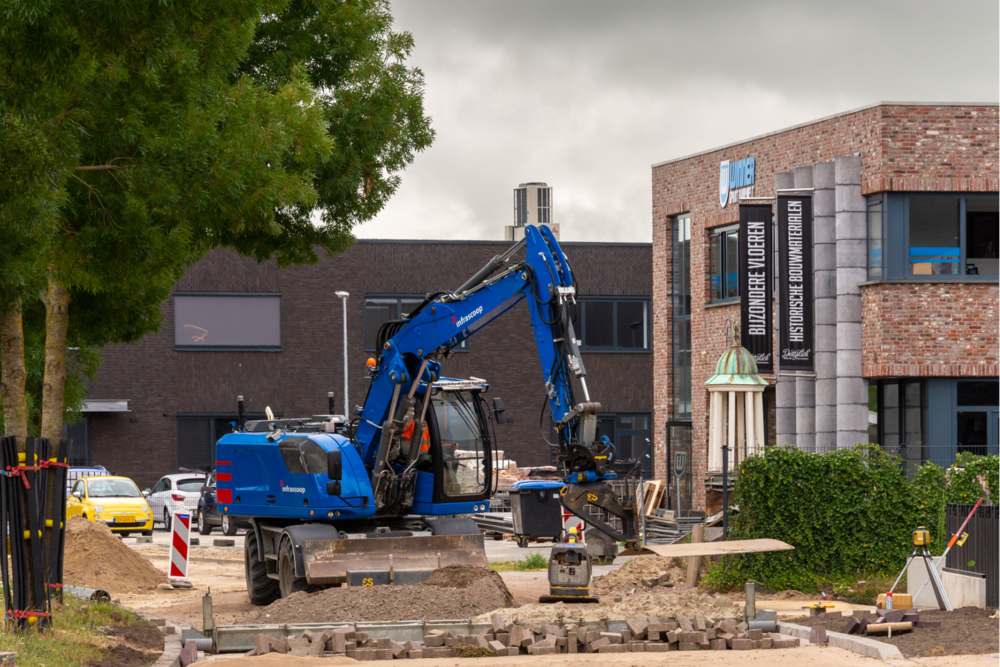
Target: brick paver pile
[(510, 639)]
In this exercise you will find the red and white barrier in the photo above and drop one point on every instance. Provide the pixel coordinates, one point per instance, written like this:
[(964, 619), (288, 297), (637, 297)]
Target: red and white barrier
[(180, 543)]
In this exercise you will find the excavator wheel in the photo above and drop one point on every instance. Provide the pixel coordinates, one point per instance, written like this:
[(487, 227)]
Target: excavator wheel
[(288, 583), (262, 589)]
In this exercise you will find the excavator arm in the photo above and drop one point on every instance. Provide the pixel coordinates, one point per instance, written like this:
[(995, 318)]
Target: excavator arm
[(407, 365)]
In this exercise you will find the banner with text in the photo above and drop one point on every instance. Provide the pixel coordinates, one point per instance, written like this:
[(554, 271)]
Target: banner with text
[(756, 303), (795, 280)]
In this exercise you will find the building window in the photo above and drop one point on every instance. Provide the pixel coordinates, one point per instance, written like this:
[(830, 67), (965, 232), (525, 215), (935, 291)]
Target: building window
[(631, 436), (227, 321), (197, 435), (382, 309), (875, 238), (977, 416), (724, 268), (620, 324), (900, 420), (681, 336), (952, 236)]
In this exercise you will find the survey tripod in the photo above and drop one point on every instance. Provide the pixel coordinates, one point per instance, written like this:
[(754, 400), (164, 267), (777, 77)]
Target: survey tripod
[(921, 538)]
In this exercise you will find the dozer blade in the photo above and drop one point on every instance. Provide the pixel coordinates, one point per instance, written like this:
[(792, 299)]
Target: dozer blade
[(378, 561)]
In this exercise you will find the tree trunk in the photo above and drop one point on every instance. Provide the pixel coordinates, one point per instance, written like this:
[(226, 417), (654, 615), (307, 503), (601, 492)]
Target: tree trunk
[(13, 374), (56, 322)]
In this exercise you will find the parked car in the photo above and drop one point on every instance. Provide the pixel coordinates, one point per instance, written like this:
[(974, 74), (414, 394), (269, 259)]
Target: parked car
[(174, 493), (208, 512), (76, 473), (115, 501)]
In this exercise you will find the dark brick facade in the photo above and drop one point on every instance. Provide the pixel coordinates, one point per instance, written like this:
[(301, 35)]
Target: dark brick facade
[(161, 382), (903, 148)]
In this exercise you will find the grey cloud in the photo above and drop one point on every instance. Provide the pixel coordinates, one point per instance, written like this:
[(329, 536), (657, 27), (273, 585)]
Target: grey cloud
[(587, 95)]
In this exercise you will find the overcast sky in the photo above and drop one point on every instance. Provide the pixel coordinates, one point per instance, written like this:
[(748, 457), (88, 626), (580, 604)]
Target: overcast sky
[(588, 95)]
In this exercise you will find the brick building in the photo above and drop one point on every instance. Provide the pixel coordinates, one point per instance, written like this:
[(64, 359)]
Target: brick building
[(905, 268), (277, 339)]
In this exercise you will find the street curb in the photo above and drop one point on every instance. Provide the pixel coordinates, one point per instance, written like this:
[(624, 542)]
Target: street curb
[(871, 648), (172, 644)]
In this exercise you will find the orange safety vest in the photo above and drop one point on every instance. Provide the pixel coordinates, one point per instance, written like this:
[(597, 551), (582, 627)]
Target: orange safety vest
[(425, 444)]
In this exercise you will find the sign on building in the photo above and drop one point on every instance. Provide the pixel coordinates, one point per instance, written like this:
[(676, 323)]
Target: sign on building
[(736, 180), (795, 282), (756, 303)]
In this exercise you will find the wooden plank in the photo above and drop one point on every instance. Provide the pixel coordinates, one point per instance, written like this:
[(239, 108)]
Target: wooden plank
[(718, 548)]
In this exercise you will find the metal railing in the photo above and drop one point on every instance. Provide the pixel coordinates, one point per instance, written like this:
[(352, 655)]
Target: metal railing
[(979, 553)]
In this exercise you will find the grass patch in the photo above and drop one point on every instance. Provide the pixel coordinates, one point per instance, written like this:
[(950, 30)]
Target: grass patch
[(69, 643), (526, 564)]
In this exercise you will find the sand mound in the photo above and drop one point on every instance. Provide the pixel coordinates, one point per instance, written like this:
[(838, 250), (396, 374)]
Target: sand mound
[(453, 592), (653, 605), (630, 575), (95, 558)]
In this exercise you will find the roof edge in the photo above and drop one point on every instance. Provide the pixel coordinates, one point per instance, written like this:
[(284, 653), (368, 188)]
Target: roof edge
[(821, 120)]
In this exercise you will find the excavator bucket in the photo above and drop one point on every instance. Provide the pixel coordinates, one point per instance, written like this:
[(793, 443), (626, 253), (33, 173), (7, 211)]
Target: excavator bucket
[(379, 561)]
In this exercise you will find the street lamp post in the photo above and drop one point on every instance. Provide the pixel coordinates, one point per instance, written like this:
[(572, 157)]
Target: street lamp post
[(343, 296)]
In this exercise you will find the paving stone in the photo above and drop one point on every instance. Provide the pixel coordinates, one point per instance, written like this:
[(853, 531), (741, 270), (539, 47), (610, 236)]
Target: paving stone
[(637, 647), (612, 637), (536, 649), (592, 647), (717, 644), (741, 644), (755, 635), (613, 648), (685, 646), (365, 654), (766, 642), (497, 620), (659, 648), (383, 654), (637, 626), (415, 654), (699, 622), (817, 635), (685, 623)]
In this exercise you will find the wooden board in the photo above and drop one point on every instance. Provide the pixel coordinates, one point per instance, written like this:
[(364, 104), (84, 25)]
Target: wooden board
[(718, 548)]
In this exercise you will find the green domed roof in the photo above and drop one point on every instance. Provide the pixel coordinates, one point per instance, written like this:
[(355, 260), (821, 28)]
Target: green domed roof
[(736, 366)]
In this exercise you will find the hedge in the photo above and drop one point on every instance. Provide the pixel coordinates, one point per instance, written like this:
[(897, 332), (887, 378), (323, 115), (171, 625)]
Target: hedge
[(848, 513)]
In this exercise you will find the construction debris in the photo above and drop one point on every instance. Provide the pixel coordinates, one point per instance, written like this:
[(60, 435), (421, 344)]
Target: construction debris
[(506, 638)]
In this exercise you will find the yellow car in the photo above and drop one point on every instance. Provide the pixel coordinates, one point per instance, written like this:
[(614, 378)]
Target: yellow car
[(114, 500)]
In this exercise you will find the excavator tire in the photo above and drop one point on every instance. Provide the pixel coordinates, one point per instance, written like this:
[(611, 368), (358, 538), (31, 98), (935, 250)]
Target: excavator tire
[(262, 589), (287, 581)]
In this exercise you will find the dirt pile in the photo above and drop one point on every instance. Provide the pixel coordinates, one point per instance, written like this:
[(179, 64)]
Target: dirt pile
[(95, 558), (630, 575), (456, 591), (655, 605)]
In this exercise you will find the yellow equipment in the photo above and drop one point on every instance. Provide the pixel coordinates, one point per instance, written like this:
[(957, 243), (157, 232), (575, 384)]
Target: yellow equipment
[(921, 537)]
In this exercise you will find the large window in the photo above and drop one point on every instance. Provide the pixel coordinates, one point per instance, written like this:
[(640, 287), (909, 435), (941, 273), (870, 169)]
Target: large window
[(382, 309), (875, 238), (682, 316), (724, 268), (899, 420), (227, 321), (619, 324), (950, 235)]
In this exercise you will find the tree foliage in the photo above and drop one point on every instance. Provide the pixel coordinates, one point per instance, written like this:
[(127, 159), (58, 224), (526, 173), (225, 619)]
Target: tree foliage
[(142, 135)]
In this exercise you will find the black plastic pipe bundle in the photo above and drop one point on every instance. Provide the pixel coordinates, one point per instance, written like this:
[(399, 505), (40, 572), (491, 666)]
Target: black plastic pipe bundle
[(33, 523)]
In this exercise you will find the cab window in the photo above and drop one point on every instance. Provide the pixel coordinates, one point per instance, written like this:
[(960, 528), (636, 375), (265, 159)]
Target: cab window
[(78, 487), (190, 484), (112, 488), (463, 450)]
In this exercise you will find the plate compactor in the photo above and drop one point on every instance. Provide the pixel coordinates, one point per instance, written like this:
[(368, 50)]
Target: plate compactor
[(569, 572)]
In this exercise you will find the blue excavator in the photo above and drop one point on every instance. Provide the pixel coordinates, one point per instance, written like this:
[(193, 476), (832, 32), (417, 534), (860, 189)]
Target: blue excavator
[(384, 496)]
